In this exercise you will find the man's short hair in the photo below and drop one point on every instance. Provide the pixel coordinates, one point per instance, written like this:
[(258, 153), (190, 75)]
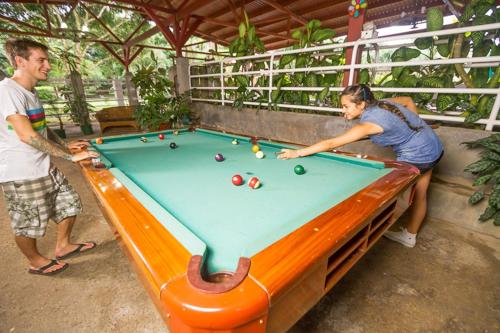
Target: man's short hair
[(22, 48)]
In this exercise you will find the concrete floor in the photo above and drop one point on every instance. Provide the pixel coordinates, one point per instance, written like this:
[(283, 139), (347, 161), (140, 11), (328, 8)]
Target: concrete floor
[(447, 283)]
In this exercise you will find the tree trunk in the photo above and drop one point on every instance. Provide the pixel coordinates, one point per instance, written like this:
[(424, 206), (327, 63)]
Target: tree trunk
[(80, 110)]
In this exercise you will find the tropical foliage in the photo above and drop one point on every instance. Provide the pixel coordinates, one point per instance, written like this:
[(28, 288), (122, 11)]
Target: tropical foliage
[(310, 35), (487, 173), (476, 44), (160, 104)]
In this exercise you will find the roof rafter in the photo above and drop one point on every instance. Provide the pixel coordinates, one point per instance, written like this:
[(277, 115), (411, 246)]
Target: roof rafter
[(251, 14), (101, 22), (24, 24), (285, 10)]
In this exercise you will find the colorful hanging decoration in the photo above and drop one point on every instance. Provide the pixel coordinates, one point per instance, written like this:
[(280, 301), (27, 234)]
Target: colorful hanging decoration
[(356, 6)]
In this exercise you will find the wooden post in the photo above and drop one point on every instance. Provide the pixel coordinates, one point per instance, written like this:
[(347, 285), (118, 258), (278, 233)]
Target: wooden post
[(353, 34)]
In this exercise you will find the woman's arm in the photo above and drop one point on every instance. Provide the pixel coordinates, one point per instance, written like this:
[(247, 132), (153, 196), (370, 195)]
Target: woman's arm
[(354, 134), (405, 101)]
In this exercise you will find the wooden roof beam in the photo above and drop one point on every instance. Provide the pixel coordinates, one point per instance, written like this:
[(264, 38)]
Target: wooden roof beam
[(251, 15), (21, 23), (237, 18), (46, 15), (165, 29), (135, 30), (232, 25), (143, 36), (192, 7), (101, 22), (285, 10), (269, 20)]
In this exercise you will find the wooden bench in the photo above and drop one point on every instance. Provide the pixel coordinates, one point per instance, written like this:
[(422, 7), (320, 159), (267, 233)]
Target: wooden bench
[(116, 116)]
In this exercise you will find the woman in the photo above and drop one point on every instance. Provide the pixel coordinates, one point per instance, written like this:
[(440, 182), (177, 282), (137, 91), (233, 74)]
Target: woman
[(393, 122)]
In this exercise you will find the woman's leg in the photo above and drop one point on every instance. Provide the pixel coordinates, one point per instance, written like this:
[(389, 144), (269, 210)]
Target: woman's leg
[(418, 208), (407, 236)]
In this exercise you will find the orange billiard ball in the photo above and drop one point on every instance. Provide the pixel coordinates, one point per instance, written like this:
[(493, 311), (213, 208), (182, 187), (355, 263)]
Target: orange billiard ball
[(99, 141)]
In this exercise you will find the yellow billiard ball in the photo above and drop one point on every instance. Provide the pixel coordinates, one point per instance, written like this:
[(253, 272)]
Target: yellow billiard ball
[(255, 148)]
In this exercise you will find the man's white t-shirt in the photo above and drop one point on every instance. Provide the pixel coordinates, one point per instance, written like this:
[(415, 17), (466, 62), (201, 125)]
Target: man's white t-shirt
[(18, 160)]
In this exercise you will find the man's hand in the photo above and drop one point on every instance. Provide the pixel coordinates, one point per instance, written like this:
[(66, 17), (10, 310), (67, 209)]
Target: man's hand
[(78, 145), (83, 155)]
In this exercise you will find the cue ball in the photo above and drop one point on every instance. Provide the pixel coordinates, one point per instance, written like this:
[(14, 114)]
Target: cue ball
[(176, 132), (259, 154), (254, 182), (299, 169), (99, 141), (161, 136), (255, 148), (219, 157), (237, 180), (235, 141), (173, 145)]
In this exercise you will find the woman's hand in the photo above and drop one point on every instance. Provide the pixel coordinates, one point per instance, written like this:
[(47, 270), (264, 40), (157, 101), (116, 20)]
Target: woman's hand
[(286, 154)]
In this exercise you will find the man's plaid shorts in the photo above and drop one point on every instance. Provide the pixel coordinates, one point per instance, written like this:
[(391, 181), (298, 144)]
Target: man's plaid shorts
[(31, 203)]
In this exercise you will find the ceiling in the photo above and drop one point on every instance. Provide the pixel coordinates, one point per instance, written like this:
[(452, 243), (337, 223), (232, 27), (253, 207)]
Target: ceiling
[(218, 20)]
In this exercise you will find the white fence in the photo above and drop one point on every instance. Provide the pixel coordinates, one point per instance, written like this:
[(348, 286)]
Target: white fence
[(361, 44)]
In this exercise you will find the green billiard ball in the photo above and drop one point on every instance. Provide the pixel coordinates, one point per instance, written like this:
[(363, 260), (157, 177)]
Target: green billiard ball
[(299, 169)]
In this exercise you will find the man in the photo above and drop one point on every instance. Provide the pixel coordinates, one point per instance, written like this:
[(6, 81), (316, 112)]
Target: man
[(34, 190)]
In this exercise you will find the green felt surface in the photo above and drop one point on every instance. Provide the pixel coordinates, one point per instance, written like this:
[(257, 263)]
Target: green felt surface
[(233, 221)]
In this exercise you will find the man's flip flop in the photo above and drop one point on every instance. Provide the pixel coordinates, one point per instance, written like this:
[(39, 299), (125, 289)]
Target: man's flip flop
[(42, 270), (79, 249)]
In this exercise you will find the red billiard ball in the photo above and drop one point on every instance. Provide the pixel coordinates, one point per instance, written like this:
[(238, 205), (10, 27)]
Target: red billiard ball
[(219, 157), (237, 180), (254, 182), (161, 136)]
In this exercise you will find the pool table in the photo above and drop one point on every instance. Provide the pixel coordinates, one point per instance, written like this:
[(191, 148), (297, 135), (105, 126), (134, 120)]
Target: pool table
[(216, 257)]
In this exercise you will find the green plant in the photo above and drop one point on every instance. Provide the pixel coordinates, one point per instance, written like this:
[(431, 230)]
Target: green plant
[(477, 44), (159, 103), (308, 36), (247, 43), (179, 109), (487, 173)]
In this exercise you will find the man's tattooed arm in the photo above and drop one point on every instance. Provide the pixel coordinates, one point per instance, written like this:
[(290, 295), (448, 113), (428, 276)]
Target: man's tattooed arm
[(39, 142), (54, 137)]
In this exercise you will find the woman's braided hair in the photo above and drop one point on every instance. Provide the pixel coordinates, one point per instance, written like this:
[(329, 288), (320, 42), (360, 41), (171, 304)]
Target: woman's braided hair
[(362, 93)]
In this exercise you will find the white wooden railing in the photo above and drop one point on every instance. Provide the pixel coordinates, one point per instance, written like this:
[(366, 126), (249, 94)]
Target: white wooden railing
[(361, 44)]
